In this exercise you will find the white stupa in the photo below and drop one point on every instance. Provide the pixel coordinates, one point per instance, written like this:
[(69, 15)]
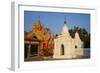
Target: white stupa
[(67, 47)]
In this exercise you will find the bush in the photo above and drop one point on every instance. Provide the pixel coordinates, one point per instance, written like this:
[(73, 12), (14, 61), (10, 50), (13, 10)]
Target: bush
[(47, 52)]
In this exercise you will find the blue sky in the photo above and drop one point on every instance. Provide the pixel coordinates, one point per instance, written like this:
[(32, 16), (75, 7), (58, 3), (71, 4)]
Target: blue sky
[(55, 20)]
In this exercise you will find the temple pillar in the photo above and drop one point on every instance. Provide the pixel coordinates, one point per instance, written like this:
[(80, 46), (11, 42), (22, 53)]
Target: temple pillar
[(29, 47)]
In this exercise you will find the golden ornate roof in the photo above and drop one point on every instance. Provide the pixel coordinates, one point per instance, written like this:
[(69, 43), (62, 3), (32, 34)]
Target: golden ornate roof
[(39, 32)]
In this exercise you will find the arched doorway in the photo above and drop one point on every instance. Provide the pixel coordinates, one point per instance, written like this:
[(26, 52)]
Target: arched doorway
[(62, 49)]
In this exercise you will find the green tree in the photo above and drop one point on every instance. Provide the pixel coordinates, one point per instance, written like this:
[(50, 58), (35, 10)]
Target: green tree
[(84, 35)]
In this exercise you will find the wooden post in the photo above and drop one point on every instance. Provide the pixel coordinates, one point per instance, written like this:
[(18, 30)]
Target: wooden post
[(29, 47)]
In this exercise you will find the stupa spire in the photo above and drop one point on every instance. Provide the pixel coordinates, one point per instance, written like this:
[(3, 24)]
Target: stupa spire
[(65, 21), (64, 29)]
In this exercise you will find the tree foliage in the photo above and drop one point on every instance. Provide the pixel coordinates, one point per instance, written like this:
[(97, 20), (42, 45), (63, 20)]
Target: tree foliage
[(84, 35)]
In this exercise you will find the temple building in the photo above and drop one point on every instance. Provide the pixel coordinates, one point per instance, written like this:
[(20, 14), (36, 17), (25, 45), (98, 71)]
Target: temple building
[(40, 42), (67, 47), (37, 40)]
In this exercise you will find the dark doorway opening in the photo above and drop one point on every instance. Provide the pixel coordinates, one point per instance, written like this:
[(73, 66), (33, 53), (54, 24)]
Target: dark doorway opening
[(25, 50), (34, 50), (62, 49)]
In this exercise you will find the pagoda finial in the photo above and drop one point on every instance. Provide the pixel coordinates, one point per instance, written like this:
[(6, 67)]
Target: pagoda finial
[(39, 18), (65, 21)]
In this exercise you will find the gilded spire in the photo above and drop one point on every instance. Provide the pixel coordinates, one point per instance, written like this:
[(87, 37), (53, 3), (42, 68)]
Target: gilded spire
[(39, 18), (38, 24)]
